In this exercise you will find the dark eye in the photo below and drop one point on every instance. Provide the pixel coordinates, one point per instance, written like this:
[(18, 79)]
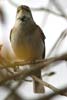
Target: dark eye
[(18, 10), (23, 19)]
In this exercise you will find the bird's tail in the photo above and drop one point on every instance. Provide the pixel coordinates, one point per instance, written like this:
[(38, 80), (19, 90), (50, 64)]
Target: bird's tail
[(38, 88)]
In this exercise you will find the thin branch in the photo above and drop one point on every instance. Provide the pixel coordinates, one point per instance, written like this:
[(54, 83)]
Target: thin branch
[(13, 3), (44, 62), (49, 11), (45, 16), (41, 62), (57, 91), (51, 95), (40, 9), (59, 41), (32, 70), (40, 65), (59, 7), (13, 91)]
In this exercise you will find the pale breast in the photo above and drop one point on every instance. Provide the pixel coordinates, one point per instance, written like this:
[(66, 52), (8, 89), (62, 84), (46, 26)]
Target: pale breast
[(27, 43)]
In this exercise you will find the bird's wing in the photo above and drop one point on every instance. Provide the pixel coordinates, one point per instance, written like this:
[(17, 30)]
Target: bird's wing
[(40, 32), (11, 33)]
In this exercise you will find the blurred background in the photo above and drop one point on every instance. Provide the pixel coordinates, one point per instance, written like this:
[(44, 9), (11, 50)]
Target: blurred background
[(51, 16)]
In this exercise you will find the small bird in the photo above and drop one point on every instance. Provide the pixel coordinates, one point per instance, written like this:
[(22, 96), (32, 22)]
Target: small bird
[(27, 40)]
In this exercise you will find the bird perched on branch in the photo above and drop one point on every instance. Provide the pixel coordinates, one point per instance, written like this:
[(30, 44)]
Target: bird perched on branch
[(27, 40)]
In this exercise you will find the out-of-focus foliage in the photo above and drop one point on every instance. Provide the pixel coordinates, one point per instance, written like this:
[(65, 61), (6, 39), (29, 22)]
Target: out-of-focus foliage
[(2, 16)]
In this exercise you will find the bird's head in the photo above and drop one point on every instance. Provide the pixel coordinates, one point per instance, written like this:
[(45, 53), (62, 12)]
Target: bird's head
[(23, 13)]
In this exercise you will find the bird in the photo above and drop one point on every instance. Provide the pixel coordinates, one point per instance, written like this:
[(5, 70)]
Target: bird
[(28, 41)]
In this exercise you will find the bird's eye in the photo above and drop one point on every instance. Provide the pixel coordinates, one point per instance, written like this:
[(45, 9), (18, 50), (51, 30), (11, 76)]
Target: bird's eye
[(18, 10)]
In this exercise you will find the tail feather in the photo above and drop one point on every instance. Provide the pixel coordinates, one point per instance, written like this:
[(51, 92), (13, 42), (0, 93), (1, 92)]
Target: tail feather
[(38, 88)]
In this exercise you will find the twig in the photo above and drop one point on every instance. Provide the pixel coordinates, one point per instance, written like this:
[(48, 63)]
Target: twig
[(59, 7), (37, 66), (45, 16), (13, 3), (49, 11), (59, 40), (41, 62), (13, 91), (51, 95), (32, 70), (48, 85), (40, 9)]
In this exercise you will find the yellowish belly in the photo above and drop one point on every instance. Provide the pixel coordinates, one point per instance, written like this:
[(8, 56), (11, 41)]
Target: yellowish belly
[(27, 53)]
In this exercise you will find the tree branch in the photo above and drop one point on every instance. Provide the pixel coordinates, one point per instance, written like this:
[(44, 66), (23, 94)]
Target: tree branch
[(40, 9), (51, 95), (49, 11), (57, 91), (38, 64)]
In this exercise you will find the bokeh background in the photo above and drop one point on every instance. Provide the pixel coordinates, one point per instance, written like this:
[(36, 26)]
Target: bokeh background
[(51, 16)]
